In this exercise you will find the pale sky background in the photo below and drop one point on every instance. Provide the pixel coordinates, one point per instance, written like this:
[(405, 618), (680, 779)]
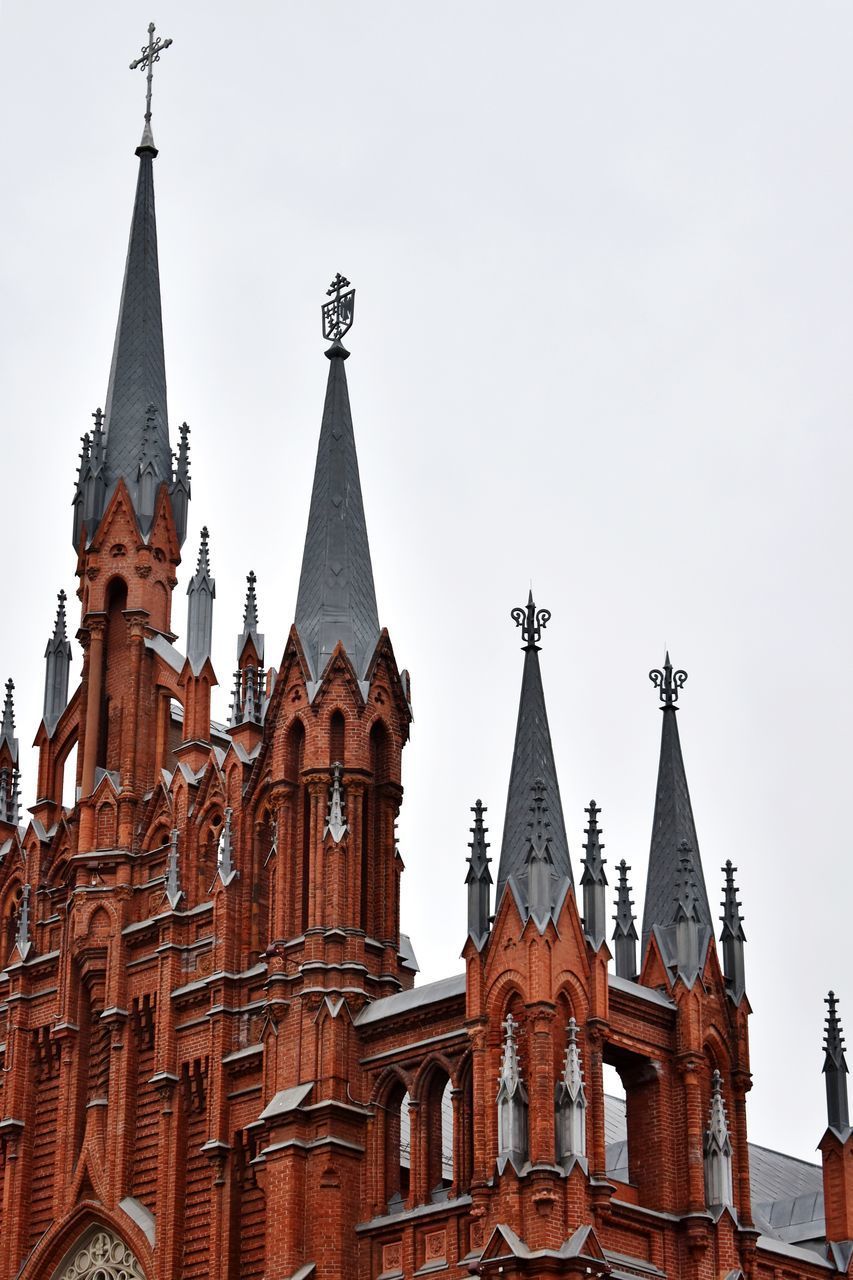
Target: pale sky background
[(602, 341)]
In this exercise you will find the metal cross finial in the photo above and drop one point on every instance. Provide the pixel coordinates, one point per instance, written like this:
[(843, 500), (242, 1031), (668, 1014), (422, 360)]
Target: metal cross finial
[(532, 621), (668, 682), (338, 314), (150, 54)]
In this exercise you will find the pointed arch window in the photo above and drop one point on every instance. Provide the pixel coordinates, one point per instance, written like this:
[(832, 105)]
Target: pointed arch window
[(99, 1255)]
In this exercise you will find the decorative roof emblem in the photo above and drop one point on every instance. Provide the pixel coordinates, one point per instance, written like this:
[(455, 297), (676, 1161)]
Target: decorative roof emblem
[(532, 621), (338, 314), (150, 54), (668, 682)]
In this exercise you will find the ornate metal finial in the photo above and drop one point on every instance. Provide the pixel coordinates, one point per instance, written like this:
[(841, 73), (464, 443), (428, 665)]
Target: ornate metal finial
[(335, 822), (668, 682), (150, 54), (338, 314), (532, 621)]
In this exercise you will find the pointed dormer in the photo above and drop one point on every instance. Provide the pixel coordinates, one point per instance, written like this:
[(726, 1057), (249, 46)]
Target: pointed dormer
[(532, 770), (336, 601), (201, 594), (57, 658), (625, 927), (478, 880), (130, 442), (672, 828), (9, 761), (594, 881)]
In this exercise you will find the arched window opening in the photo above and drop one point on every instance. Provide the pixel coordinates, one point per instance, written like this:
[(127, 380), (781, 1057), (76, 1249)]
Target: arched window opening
[(99, 1254), (115, 675), (372, 882), (295, 751), (438, 1136), (636, 1143), (10, 925), (67, 780), (337, 735), (398, 1154)]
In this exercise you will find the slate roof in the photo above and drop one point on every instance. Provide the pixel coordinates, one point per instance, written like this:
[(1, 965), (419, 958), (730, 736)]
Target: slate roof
[(787, 1193), (138, 370), (336, 598), (673, 823), (532, 758)]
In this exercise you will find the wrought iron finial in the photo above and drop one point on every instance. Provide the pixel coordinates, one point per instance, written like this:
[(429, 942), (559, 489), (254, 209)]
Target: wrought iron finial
[(150, 54), (668, 682), (338, 314), (532, 621)]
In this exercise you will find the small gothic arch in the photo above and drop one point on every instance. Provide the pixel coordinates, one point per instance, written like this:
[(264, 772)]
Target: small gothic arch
[(99, 1254), (337, 737), (435, 1156), (10, 913)]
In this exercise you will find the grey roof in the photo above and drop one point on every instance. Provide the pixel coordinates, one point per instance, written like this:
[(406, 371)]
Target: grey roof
[(138, 371), (532, 759), (417, 998), (673, 823), (336, 598), (787, 1193)]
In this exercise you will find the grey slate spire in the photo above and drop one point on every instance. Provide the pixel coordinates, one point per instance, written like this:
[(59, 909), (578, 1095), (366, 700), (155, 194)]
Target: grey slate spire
[(532, 761), (131, 440), (625, 931), (478, 879), (57, 658), (594, 882), (336, 600), (202, 593), (9, 774), (732, 937), (835, 1070), (673, 819)]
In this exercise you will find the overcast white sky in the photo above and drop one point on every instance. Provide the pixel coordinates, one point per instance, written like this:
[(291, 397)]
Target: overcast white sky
[(602, 341)]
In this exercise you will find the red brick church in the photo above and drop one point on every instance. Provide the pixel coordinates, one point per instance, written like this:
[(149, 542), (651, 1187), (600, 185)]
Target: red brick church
[(215, 1059)]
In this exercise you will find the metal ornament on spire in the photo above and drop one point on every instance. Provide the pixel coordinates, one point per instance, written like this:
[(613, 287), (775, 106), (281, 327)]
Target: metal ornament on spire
[(150, 54), (338, 314), (668, 682), (532, 621)]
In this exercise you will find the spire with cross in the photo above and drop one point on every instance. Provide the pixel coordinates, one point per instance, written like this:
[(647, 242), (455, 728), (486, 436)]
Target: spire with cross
[(150, 54)]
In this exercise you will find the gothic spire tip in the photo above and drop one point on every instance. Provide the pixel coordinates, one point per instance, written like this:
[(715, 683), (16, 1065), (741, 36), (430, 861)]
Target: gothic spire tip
[(150, 54), (338, 316), (532, 621), (668, 682)]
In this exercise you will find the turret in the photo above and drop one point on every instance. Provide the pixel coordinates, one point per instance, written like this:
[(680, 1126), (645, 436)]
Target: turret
[(717, 1152), (732, 937), (594, 882), (534, 859), (248, 700), (57, 658), (625, 929), (570, 1103), (511, 1104), (10, 776), (835, 1070), (836, 1145), (478, 880), (201, 594)]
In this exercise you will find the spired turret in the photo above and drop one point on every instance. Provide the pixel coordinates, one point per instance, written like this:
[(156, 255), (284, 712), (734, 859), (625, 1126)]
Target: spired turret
[(201, 594), (625, 927), (57, 658), (676, 908), (478, 880), (10, 776), (835, 1070), (247, 704), (534, 859), (732, 937), (594, 882)]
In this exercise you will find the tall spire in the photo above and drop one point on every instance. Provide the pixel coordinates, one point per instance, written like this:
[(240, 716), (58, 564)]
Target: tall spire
[(594, 881), (835, 1069), (732, 937), (478, 879), (625, 930), (57, 658), (135, 425), (532, 762), (201, 592), (673, 821), (336, 600)]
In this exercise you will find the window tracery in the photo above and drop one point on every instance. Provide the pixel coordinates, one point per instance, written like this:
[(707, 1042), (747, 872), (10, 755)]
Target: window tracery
[(100, 1255)]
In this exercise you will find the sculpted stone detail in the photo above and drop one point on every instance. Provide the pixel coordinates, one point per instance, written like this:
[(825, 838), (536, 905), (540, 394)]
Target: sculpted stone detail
[(100, 1256)]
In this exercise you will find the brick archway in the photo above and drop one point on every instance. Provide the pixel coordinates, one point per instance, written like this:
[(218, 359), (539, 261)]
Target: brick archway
[(99, 1254)]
